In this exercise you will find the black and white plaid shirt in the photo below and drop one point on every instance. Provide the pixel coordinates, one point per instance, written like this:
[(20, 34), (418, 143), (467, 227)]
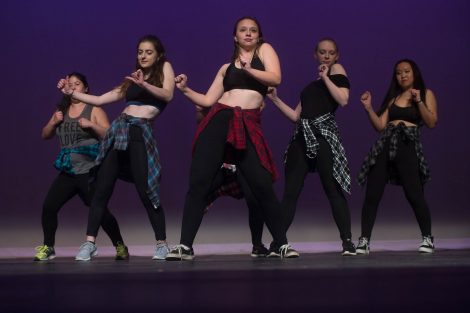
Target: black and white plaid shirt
[(395, 133), (326, 125)]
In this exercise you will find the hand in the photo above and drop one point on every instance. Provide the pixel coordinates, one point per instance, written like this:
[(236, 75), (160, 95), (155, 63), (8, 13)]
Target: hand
[(366, 100), (63, 85), (85, 123), (181, 82), (137, 77), (323, 71), (244, 62), (416, 95), (272, 93), (57, 118)]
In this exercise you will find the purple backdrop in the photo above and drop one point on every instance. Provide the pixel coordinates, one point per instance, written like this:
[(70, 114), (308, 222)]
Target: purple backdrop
[(44, 40)]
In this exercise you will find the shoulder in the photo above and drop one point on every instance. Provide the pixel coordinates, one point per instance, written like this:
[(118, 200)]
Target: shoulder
[(338, 69), (429, 93), (265, 50), (97, 112), (224, 68)]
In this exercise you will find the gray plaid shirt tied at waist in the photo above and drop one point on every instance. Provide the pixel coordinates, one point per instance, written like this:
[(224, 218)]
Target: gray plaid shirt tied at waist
[(117, 138), (392, 134), (327, 127)]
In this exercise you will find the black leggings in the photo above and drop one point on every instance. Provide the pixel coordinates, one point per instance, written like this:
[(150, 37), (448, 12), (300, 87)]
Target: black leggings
[(64, 188), (297, 168), (135, 160), (255, 219), (406, 165), (207, 158)]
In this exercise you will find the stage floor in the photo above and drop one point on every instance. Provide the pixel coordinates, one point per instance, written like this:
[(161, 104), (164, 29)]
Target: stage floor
[(393, 278)]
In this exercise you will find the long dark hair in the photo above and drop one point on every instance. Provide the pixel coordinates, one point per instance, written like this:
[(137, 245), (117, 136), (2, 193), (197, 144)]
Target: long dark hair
[(394, 90), (156, 70), (236, 48), (66, 100)]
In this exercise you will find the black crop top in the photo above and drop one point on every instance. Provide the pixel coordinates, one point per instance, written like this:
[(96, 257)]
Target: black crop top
[(409, 114), (136, 95), (236, 78), (316, 100)]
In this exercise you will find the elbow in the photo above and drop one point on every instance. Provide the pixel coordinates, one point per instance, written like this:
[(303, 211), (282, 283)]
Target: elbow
[(276, 81), (343, 101), (432, 124)]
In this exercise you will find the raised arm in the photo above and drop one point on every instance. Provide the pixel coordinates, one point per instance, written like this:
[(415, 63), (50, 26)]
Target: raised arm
[(48, 131), (291, 114), (216, 90), (340, 94), (271, 76), (427, 108), (111, 96), (378, 122)]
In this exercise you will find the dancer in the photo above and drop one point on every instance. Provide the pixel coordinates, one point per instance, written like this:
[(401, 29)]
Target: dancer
[(231, 133), (129, 143), (316, 144), (79, 127), (397, 155)]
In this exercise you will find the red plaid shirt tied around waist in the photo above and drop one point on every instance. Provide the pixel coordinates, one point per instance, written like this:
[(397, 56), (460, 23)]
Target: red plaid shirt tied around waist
[(236, 136)]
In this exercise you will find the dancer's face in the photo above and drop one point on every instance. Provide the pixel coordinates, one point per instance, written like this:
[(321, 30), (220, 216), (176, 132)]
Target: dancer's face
[(77, 85), (404, 75), (247, 34), (146, 54), (326, 53)]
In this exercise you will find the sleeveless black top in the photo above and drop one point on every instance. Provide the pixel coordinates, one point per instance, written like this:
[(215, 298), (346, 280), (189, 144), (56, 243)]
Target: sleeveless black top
[(136, 95), (409, 114), (236, 78)]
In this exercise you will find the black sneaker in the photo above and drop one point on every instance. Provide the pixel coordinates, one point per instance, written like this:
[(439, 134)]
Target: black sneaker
[(363, 246), (180, 253), (348, 248), (259, 251), (286, 251), (427, 246), (273, 251)]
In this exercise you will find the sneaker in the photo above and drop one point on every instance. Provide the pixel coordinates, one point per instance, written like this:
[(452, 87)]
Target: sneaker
[(180, 253), (122, 253), (348, 248), (259, 251), (363, 246), (427, 246), (161, 250), (286, 251), (273, 251), (86, 252), (44, 253)]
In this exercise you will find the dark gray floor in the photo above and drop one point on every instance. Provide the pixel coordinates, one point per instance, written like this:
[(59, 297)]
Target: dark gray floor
[(321, 282)]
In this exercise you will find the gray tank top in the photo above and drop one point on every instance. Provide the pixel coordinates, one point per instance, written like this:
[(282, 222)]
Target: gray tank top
[(71, 135)]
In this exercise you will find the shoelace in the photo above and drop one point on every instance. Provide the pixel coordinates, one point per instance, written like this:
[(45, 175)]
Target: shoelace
[(42, 250), (427, 242), (179, 248), (284, 249), (363, 242)]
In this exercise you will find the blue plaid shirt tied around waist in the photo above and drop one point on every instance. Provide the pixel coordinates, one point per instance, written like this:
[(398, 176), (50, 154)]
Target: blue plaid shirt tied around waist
[(117, 138), (393, 134), (63, 162), (327, 127)]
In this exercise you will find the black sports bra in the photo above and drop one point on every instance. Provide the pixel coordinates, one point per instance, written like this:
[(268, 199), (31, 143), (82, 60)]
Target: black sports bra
[(409, 114), (236, 78), (136, 95)]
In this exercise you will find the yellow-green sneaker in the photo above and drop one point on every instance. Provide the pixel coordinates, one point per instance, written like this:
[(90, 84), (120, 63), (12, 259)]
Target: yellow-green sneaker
[(44, 253), (122, 253)]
